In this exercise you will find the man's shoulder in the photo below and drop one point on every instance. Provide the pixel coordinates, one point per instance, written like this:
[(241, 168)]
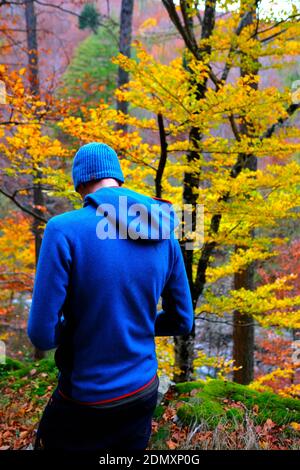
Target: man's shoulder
[(66, 220)]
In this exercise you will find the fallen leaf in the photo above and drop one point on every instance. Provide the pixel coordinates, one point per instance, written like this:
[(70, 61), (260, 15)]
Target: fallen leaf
[(171, 444), (295, 426)]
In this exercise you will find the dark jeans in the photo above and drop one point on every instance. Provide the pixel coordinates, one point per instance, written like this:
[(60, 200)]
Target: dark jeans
[(68, 426)]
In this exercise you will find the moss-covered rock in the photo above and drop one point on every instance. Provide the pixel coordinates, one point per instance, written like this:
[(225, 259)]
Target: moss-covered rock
[(199, 408), (212, 404), (187, 387)]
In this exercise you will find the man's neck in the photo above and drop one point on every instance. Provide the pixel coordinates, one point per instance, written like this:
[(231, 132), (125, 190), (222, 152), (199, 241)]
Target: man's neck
[(94, 186), (103, 183)]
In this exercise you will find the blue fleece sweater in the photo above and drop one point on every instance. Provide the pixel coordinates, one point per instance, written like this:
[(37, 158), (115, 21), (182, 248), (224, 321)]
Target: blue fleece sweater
[(95, 298)]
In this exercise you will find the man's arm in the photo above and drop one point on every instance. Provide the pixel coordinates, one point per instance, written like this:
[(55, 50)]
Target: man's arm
[(50, 288), (177, 316)]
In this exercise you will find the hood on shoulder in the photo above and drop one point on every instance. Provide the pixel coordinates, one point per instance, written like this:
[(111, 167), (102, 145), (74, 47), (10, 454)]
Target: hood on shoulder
[(129, 214)]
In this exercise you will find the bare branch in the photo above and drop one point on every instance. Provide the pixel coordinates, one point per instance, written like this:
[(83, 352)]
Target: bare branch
[(290, 111), (72, 12), (163, 155), (275, 25), (25, 209), (171, 9)]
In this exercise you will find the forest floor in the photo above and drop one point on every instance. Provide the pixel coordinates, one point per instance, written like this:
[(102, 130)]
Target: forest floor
[(194, 415)]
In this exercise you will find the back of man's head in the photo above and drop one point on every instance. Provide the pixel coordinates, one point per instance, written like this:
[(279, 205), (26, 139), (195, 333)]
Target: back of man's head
[(95, 161)]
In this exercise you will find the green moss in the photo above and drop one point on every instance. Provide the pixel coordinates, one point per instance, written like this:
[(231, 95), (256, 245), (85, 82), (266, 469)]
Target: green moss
[(47, 366), (208, 404), (158, 439), (187, 387), (280, 410), (235, 414), (39, 374), (10, 365), (229, 390), (158, 412), (19, 383), (13, 369), (201, 408)]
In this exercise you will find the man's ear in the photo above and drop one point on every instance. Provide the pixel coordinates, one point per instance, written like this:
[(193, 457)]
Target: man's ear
[(80, 189)]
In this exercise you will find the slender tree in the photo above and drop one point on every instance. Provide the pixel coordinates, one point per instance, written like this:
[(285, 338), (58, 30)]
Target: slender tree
[(125, 38), (33, 75), (243, 324), (184, 345), (200, 49)]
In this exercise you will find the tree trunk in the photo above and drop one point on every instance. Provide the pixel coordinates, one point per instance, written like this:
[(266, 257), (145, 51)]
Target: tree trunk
[(125, 48), (243, 333), (185, 345), (32, 47), (33, 70), (243, 325)]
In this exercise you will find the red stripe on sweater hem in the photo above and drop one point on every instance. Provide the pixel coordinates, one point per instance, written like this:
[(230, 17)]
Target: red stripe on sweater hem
[(110, 399)]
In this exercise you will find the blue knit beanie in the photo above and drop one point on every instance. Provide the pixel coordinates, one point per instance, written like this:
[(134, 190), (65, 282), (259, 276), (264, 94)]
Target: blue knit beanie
[(95, 161)]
